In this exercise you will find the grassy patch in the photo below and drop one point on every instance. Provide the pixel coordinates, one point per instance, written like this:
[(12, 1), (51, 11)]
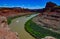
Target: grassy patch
[(39, 32), (9, 20)]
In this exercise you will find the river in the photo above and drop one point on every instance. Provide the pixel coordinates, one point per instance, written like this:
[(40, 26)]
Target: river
[(17, 25)]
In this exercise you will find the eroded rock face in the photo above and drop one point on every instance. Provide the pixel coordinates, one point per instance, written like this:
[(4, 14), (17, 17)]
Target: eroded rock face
[(49, 20), (5, 32), (50, 5)]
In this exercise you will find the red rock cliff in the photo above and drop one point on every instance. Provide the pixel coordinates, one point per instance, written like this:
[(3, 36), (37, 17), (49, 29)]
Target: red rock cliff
[(5, 32)]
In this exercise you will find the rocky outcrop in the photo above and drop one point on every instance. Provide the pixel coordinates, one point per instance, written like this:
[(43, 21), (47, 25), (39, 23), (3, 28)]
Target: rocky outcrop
[(50, 5), (15, 11), (50, 20), (5, 32)]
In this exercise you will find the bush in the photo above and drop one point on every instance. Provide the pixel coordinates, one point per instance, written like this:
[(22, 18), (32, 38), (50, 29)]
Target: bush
[(9, 20)]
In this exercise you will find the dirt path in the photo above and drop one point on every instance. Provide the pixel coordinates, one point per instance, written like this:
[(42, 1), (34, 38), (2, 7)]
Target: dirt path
[(17, 25)]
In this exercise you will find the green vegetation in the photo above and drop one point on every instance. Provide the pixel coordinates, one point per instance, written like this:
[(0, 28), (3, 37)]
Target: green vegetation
[(11, 18), (38, 31)]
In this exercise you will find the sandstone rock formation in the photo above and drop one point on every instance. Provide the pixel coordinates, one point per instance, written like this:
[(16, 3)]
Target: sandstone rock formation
[(50, 5), (49, 20), (5, 32), (11, 12)]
